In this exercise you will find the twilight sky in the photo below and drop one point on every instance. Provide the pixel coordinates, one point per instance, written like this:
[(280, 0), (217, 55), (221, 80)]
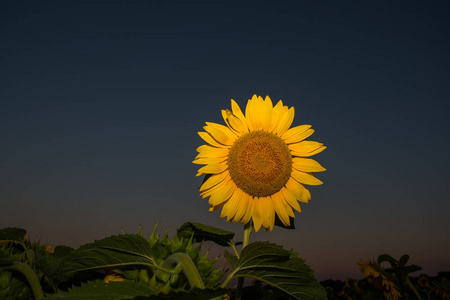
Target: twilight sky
[(101, 103)]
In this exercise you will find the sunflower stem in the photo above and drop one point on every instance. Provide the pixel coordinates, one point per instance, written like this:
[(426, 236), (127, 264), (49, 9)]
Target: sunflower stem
[(234, 248), (31, 276), (247, 230), (411, 286)]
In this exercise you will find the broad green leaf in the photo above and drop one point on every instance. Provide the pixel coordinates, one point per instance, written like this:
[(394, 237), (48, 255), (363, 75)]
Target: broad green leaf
[(232, 260), (99, 290), (112, 252), (12, 234), (50, 265), (280, 268), (206, 233), (61, 251)]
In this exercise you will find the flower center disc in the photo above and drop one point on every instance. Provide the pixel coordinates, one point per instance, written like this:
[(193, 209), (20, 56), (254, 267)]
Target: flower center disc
[(260, 163)]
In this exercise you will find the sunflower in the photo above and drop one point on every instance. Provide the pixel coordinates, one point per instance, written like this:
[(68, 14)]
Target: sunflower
[(376, 276), (257, 165)]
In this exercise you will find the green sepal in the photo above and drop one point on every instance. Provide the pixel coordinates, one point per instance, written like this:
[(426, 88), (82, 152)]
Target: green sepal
[(143, 276)]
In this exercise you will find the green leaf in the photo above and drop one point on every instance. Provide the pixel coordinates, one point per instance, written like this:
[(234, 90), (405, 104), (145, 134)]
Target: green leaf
[(12, 234), (386, 257), (232, 260), (205, 233), (50, 265), (112, 252), (280, 268), (403, 260), (99, 290), (411, 269), (61, 251)]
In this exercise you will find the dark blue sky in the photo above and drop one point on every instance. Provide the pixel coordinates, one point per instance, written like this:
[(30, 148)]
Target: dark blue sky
[(101, 103)]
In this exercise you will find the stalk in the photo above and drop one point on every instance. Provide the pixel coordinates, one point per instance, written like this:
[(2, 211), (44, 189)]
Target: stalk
[(31, 277), (411, 286), (247, 230)]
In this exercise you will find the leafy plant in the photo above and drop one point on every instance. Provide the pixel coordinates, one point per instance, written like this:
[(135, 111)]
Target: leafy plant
[(21, 272), (127, 266)]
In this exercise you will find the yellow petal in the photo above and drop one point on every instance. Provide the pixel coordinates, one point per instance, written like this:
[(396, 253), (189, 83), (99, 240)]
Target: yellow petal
[(291, 194), (297, 134), (289, 210), (280, 208), (209, 151), (266, 114), (213, 208), (213, 189), (243, 205), (209, 139), (213, 168), (306, 148), (230, 208), (208, 192), (221, 133), (305, 178), (277, 111), (113, 277), (252, 113), (285, 120), (257, 214), (237, 111), (234, 122), (249, 211), (214, 180), (268, 212), (300, 137), (256, 112), (290, 199), (223, 194), (299, 190), (306, 165), (209, 160)]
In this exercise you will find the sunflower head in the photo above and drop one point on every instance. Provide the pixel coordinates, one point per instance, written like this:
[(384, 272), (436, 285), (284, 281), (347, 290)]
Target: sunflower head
[(257, 164), (378, 277)]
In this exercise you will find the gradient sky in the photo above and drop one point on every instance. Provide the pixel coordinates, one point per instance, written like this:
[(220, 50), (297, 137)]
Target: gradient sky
[(101, 103)]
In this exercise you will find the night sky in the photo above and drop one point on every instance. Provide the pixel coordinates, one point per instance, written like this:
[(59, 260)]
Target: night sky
[(101, 102)]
